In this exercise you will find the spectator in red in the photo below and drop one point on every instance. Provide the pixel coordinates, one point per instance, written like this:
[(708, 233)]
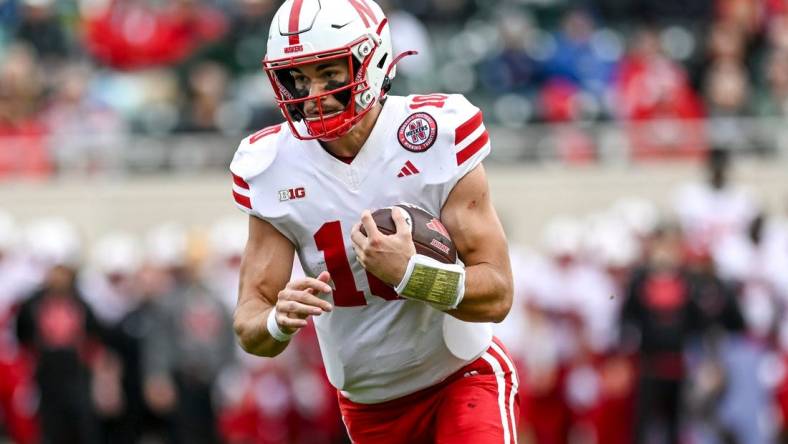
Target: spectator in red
[(134, 34), (562, 101), (22, 146), (56, 327), (654, 94), (657, 320)]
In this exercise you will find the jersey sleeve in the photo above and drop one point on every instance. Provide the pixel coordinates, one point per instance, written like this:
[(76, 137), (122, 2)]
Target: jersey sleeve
[(255, 175), (254, 156), (252, 171), (466, 141)]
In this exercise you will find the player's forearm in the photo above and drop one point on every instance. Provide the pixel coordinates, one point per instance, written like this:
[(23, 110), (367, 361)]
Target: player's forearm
[(488, 294), (249, 323)]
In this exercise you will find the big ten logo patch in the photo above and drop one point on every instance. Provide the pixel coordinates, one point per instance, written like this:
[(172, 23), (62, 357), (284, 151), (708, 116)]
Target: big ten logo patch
[(418, 132), (292, 194)]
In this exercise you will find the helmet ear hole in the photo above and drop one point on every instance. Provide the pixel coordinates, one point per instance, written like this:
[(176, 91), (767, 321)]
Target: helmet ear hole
[(383, 60)]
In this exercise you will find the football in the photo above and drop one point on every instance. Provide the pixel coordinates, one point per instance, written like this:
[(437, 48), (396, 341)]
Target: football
[(430, 237)]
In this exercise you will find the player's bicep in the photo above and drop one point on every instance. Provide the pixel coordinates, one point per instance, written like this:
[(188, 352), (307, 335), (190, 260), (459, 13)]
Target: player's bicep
[(267, 263), (472, 222)]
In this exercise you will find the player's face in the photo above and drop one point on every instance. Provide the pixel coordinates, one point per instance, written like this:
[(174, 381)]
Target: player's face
[(318, 78)]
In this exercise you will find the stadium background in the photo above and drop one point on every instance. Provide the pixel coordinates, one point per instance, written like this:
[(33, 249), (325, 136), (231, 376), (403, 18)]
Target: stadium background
[(648, 302)]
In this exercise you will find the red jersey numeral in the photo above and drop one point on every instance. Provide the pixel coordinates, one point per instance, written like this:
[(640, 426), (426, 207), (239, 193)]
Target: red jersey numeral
[(436, 100), (329, 240), (264, 133)]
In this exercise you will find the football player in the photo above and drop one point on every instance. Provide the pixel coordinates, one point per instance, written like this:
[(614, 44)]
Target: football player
[(406, 340)]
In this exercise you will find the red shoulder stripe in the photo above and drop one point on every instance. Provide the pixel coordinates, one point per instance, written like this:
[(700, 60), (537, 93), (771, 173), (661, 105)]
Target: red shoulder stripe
[(465, 130), (242, 200), (473, 148), (240, 182)]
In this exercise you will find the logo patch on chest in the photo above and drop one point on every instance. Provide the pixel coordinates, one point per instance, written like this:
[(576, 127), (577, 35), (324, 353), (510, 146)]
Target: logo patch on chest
[(418, 133)]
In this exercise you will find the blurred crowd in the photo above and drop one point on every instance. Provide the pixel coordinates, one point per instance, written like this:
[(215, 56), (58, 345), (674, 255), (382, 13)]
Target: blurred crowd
[(78, 77), (638, 325), (629, 325), (130, 340)]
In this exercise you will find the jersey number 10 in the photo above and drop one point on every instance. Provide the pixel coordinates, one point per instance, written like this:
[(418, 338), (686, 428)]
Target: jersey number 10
[(329, 240)]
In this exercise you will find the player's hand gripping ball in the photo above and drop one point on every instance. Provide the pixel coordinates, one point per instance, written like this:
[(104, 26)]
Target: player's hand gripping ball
[(429, 235)]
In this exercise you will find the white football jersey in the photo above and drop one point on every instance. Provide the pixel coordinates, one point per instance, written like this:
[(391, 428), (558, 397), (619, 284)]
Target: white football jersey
[(376, 346)]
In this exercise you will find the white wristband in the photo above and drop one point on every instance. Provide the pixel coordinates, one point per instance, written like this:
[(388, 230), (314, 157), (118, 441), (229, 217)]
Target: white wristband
[(428, 280), (274, 330)]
